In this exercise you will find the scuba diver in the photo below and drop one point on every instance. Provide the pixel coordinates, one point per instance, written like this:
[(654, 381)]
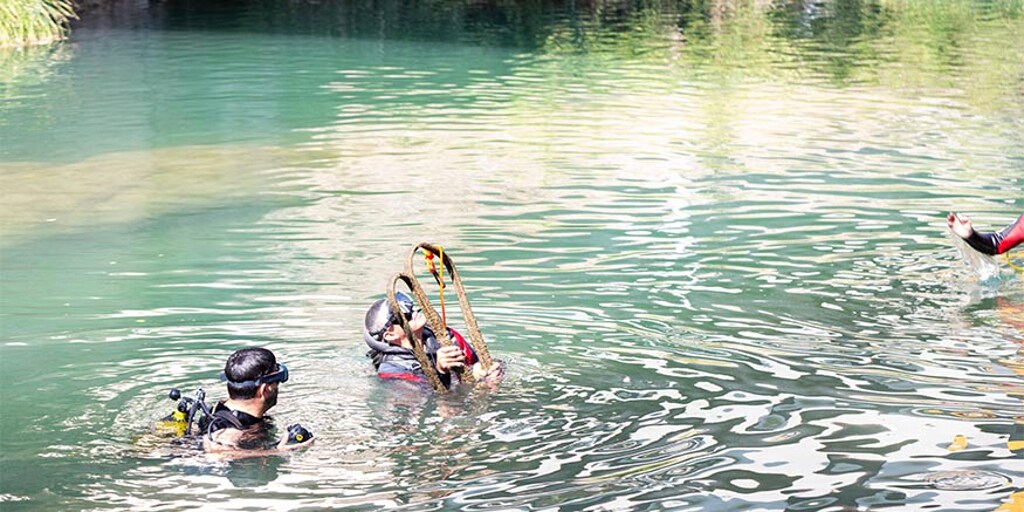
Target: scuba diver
[(239, 424), (987, 243), (392, 352)]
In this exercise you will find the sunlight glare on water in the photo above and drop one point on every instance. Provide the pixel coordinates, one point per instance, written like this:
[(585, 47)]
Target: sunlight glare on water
[(710, 245)]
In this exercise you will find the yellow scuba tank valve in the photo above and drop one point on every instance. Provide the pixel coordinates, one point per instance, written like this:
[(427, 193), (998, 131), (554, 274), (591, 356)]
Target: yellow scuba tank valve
[(180, 420), (174, 422)]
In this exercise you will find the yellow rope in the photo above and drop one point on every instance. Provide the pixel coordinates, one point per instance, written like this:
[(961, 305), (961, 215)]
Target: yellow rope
[(439, 275), (1009, 262), (440, 282)]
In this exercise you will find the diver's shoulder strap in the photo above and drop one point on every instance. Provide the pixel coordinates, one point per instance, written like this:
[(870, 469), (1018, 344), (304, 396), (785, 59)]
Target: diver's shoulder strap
[(223, 418), (230, 418)]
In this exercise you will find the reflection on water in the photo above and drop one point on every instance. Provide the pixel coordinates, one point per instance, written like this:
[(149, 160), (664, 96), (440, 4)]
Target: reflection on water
[(709, 239), (53, 200)]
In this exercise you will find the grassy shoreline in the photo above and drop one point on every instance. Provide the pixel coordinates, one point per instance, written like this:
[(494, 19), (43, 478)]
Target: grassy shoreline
[(30, 22)]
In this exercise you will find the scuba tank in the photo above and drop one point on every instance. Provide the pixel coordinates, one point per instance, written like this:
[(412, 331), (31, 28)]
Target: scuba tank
[(175, 421), (180, 420)]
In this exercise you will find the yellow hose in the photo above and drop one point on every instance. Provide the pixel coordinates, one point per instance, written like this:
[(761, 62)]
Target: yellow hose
[(1009, 262)]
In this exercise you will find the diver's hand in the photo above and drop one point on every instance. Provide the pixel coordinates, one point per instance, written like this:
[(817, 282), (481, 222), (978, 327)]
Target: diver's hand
[(450, 358), (419, 320), (961, 226), (492, 374)]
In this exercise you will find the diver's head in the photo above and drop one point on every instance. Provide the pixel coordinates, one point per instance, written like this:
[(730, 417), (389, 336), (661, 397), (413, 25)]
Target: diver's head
[(254, 374), (382, 327)]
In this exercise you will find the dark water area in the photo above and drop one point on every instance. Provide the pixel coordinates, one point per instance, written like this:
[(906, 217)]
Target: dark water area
[(708, 238)]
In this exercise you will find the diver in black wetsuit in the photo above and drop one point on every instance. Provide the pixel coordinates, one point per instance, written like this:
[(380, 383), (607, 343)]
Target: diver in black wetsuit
[(987, 243), (238, 423)]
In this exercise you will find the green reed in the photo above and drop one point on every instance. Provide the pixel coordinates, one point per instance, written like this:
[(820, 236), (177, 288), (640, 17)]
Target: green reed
[(26, 22)]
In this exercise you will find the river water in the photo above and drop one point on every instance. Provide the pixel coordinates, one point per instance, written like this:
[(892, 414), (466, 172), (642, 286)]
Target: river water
[(708, 238)]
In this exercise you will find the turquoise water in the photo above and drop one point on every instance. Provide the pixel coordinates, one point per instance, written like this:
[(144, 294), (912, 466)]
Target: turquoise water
[(708, 241)]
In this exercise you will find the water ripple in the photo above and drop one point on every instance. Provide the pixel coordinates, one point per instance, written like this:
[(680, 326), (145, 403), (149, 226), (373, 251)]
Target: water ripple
[(716, 265)]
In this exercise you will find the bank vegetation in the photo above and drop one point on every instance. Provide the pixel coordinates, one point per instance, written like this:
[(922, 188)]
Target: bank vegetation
[(29, 22)]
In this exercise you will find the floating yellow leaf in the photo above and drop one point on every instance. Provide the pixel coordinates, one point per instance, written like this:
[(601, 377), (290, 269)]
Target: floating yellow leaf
[(1016, 503), (959, 443)]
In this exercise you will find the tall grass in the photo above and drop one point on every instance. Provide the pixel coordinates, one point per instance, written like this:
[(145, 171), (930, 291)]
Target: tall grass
[(25, 22)]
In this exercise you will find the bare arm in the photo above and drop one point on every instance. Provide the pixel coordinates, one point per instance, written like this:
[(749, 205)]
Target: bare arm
[(226, 443)]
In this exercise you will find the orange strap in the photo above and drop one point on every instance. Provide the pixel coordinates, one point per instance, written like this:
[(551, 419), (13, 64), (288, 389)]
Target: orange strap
[(439, 275)]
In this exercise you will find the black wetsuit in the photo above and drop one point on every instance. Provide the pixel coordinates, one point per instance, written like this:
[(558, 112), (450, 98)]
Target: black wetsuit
[(257, 429), (223, 417), (1000, 242)]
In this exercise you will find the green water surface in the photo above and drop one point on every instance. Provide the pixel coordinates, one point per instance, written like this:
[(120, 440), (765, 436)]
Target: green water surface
[(707, 237)]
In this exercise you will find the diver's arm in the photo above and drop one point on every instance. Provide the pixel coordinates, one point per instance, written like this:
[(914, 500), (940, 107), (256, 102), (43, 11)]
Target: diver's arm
[(225, 442), (988, 243), (1011, 236), (238, 453), (985, 243), (285, 446)]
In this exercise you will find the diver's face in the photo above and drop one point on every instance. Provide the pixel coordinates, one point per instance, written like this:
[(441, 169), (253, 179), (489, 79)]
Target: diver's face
[(395, 335), (269, 395)]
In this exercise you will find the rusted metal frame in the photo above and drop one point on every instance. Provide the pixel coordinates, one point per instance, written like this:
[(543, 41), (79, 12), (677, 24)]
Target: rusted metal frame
[(476, 339), (417, 346)]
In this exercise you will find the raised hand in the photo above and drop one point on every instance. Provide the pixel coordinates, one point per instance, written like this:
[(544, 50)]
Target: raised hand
[(961, 226)]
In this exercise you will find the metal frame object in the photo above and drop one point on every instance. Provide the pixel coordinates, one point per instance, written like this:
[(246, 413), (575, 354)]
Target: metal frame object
[(476, 339)]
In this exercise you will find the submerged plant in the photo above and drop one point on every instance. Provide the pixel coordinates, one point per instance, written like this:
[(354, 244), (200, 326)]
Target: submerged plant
[(25, 22)]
